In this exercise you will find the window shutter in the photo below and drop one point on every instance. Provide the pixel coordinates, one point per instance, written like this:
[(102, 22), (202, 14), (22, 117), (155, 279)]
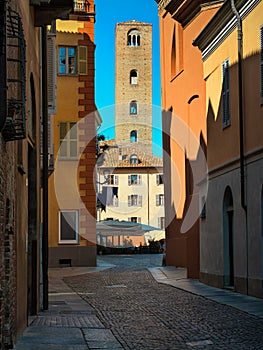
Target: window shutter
[(129, 201), (157, 179), (129, 180), (157, 200), (159, 222), (139, 201), (82, 60), (261, 64), (139, 220), (116, 180), (139, 179), (51, 72), (129, 219), (226, 93)]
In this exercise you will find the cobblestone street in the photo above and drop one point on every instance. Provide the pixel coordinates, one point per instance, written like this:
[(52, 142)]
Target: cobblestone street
[(144, 314)]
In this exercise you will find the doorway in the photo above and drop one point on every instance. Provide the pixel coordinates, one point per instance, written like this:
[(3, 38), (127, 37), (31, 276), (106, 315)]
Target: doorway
[(228, 232)]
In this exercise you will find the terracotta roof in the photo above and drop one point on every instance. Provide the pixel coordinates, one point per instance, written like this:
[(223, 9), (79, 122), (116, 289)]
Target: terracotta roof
[(116, 156)]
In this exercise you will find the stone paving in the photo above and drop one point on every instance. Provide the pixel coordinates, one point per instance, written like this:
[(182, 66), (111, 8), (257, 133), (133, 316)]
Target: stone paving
[(144, 314), (122, 306)]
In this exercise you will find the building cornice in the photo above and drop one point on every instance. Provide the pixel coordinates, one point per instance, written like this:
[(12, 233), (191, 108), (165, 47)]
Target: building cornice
[(183, 11), (221, 26)]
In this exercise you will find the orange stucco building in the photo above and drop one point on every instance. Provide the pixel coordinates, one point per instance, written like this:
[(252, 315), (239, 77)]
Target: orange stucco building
[(184, 125)]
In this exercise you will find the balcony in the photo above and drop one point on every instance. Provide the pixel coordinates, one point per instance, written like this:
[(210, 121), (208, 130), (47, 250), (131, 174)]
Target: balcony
[(82, 9)]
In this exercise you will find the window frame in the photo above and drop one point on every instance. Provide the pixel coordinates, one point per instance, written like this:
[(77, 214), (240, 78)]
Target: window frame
[(133, 78), (134, 136), (67, 73), (160, 200), (134, 179), (134, 108), (226, 112), (68, 140), (69, 241), (135, 200)]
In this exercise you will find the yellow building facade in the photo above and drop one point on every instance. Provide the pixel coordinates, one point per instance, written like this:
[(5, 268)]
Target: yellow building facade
[(72, 196), (231, 253)]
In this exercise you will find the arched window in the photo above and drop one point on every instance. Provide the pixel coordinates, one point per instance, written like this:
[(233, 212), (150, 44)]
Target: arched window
[(133, 107), (134, 159), (133, 136), (133, 77), (134, 38)]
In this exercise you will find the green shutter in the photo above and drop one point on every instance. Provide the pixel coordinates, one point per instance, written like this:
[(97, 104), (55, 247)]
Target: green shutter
[(82, 60)]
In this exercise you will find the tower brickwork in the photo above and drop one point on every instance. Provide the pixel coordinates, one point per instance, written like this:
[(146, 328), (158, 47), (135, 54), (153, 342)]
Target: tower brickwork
[(133, 85)]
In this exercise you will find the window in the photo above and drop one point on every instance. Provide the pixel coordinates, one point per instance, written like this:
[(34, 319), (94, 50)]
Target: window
[(134, 180), (134, 200), (68, 139), (67, 60), (159, 179), (133, 136), (177, 50), (134, 38), (68, 226), (261, 64), (203, 208), (159, 200), (135, 219), (133, 107), (133, 77), (226, 94), (113, 180), (82, 60), (134, 159), (161, 222)]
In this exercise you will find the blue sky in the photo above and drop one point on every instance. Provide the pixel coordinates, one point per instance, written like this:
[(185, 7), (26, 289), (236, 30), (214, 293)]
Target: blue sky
[(108, 13)]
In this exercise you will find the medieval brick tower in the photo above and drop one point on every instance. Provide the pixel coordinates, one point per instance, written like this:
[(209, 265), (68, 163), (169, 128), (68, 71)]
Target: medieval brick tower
[(133, 85)]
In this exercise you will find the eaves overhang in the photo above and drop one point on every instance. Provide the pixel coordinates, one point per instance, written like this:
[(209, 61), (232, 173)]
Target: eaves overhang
[(46, 11), (221, 25), (183, 11)]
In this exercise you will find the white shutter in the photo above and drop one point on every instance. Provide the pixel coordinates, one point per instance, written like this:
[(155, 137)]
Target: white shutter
[(129, 201), (157, 200), (51, 72), (139, 179), (157, 179), (116, 180), (82, 60), (139, 220), (129, 180), (129, 219), (139, 201)]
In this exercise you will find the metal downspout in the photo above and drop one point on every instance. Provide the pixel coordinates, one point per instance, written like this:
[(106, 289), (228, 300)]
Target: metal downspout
[(45, 168), (241, 127)]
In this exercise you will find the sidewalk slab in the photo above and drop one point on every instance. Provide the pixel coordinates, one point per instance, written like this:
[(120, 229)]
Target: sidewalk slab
[(177, 277)]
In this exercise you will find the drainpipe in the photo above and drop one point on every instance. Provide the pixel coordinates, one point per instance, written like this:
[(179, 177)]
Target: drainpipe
[(241, 125), (240, 92), (45, 168)]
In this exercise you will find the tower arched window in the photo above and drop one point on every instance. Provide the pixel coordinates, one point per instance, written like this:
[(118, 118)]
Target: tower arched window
[(133, 136), (134, 38), (133, 107), (133, 77)]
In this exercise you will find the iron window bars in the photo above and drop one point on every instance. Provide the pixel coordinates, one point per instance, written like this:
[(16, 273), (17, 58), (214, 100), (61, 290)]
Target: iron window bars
[(15, 75)]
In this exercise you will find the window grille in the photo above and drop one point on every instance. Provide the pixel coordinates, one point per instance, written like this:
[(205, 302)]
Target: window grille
[(15, 70)]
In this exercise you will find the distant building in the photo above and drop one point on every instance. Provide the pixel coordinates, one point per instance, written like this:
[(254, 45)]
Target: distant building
[(130, 177), (72, 219)]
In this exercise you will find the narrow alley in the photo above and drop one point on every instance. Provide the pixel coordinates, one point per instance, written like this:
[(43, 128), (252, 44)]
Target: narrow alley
[(120, 305)]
